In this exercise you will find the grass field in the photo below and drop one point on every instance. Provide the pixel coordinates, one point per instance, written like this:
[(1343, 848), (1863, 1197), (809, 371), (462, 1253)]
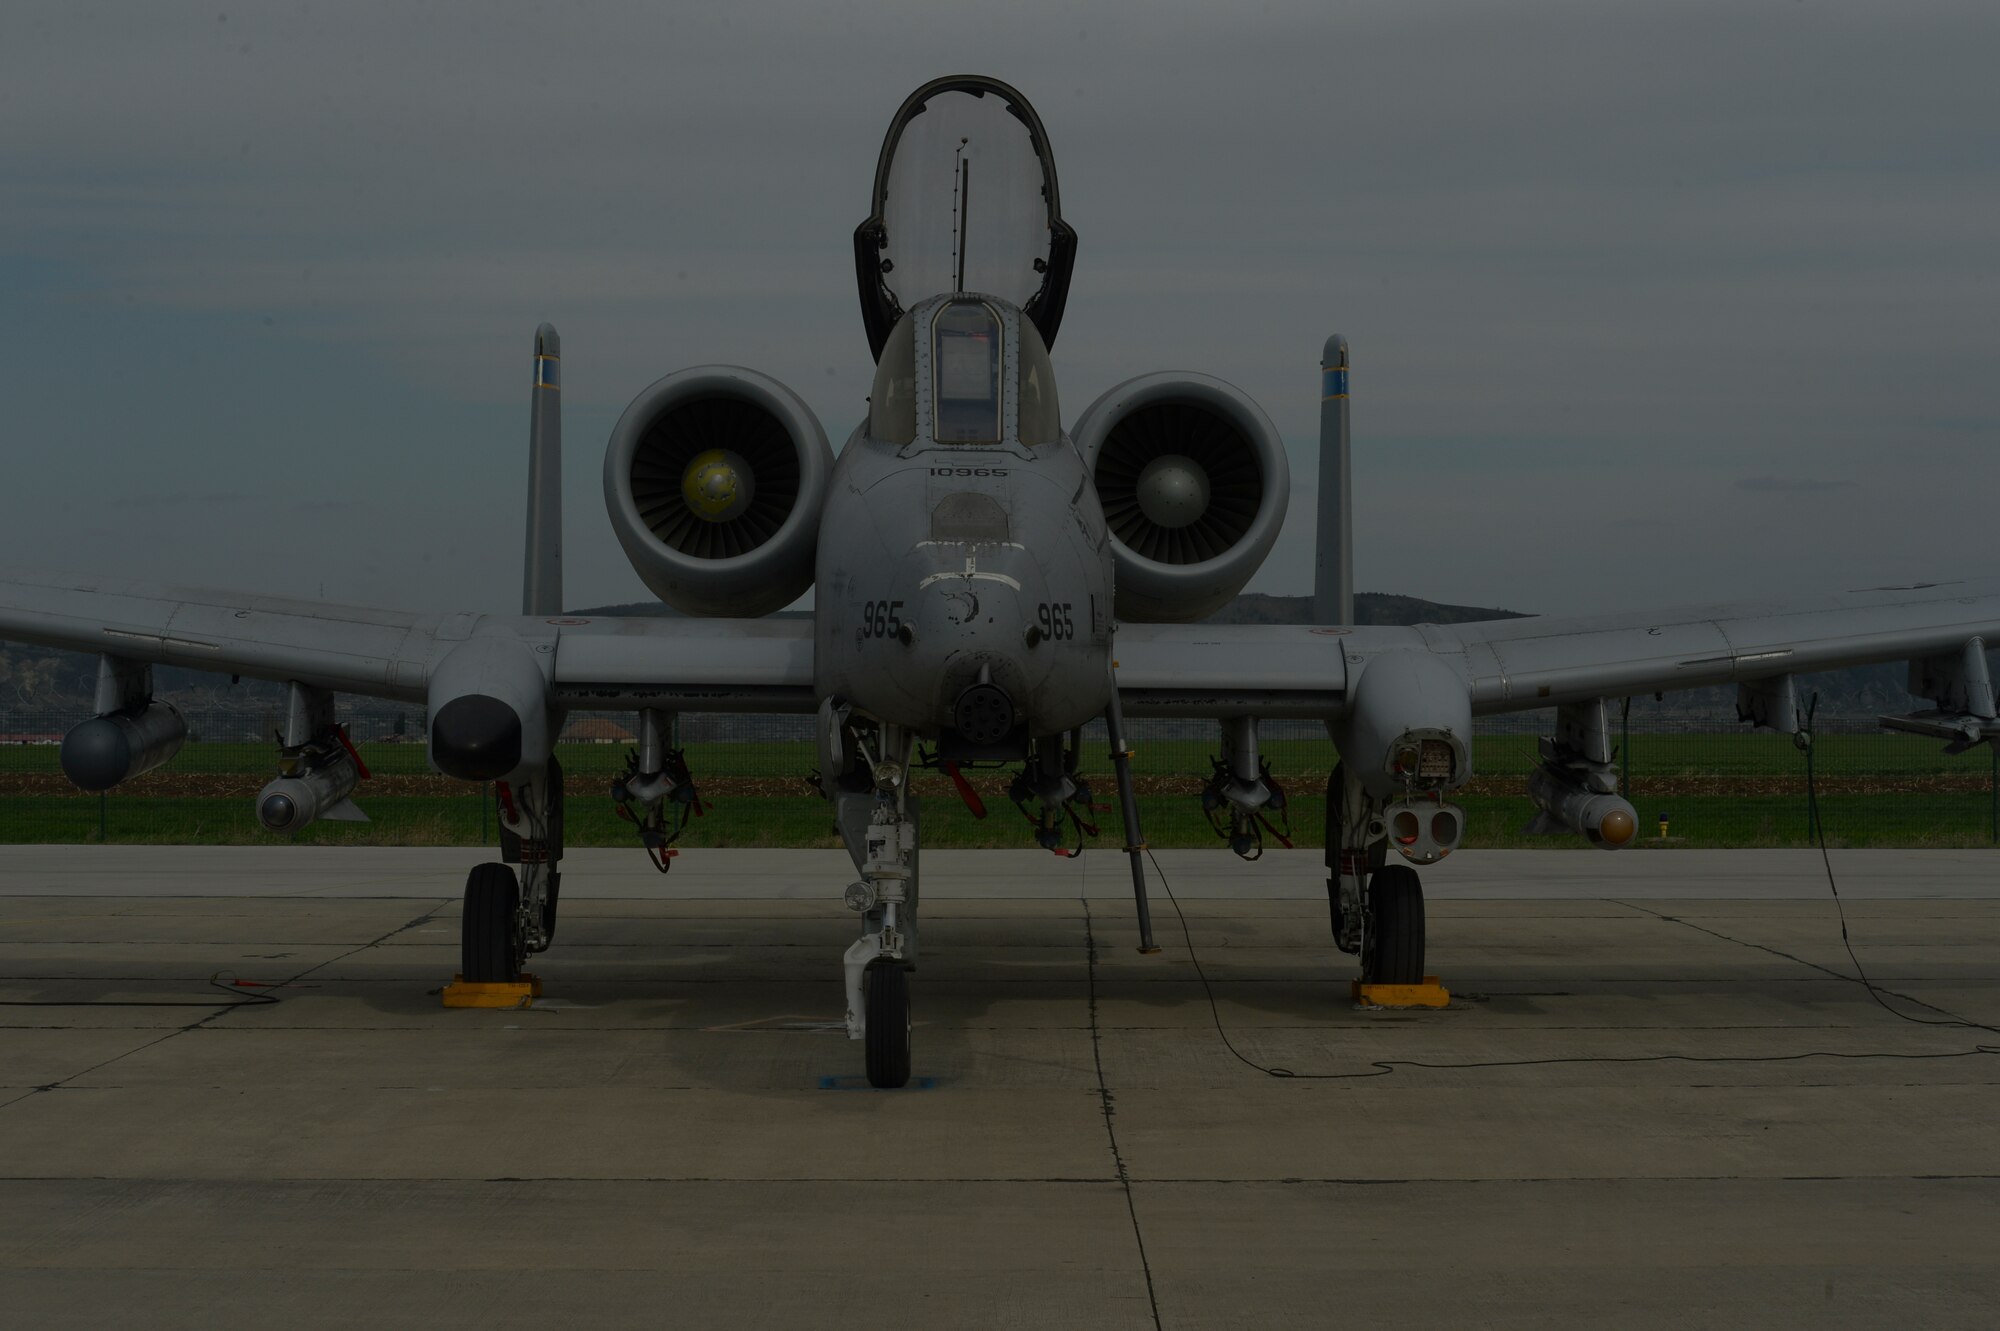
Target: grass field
[(1669, 754), (1717, 789)]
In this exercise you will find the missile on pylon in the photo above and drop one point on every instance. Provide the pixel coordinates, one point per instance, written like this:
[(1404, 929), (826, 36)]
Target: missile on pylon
[(1568, 805), (289, 803)]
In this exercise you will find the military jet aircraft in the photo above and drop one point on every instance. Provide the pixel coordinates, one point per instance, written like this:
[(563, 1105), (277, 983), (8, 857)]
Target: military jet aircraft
[(987, 583)]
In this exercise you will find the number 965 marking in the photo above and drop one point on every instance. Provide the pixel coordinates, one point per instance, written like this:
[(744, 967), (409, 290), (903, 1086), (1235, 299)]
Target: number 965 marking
[(881, 619), (1055, 620)]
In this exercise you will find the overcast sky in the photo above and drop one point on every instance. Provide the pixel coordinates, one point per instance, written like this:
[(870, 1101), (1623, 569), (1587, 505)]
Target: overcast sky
[(1648, 305)]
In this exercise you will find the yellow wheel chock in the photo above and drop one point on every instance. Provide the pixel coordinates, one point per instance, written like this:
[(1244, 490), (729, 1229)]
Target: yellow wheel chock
[(1428, 994), (521, 993)]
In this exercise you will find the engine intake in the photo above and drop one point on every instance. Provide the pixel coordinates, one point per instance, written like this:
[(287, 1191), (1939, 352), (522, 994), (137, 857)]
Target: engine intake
[(1193, 480), (714, 481)]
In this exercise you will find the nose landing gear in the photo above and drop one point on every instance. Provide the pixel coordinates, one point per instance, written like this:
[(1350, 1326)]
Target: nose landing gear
[(878, 821), (888, 1024)]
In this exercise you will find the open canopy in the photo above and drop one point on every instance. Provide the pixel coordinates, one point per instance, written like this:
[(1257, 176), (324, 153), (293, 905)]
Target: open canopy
[(965, 200)]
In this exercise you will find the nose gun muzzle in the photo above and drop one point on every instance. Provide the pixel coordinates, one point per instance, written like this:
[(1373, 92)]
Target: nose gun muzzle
[(984, 714)]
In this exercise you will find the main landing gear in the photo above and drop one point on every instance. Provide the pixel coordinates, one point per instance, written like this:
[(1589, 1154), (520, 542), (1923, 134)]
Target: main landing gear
[(1377, 907), (510, 915), (492, 945), (1393, 950)]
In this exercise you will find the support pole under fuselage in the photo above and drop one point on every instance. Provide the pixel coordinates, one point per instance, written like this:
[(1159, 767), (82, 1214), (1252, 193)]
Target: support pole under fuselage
[(1128, 804)]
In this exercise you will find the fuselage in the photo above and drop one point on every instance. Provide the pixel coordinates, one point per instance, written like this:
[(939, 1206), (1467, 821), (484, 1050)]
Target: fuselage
[(964, 571)]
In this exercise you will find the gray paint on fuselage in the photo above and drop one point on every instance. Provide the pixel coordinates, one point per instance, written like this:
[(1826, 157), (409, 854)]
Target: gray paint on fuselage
[(884, 563)]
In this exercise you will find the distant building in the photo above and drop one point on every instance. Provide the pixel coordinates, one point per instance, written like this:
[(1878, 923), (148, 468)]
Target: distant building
[(595, 730)]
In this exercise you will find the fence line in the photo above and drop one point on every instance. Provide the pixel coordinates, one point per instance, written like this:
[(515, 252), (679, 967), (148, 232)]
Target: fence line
[(1715, 786)]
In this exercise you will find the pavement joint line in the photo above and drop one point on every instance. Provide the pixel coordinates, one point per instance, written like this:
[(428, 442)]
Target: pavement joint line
[(1864, 983), (221, 1009), (1384, 1033), (659, 1180), (1110, 1129), (1056, 977)]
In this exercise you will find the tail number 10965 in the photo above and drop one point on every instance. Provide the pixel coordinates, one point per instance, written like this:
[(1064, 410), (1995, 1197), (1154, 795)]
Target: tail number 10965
[(1055, 620)]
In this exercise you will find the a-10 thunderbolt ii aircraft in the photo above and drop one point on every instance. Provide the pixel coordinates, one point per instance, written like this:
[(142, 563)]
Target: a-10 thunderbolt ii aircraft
[(986, 584)]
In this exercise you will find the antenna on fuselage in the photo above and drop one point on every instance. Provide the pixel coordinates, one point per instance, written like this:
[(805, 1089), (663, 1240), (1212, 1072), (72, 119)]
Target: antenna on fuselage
[(961, 214)]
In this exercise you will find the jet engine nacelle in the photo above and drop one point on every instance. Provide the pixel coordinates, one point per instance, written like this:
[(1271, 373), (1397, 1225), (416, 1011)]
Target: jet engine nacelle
[(714, 481), (106, 750), (1193, 480)]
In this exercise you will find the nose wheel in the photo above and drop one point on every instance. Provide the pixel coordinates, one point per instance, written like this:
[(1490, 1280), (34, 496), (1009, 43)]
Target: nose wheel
[(888, 1037)]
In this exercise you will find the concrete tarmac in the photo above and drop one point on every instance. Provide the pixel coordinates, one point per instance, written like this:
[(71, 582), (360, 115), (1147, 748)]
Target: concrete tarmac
[(1658, 1098)]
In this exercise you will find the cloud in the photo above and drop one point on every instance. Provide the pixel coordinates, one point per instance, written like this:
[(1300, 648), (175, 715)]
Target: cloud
[(180, 500), (1791, 484), (1580, 251)]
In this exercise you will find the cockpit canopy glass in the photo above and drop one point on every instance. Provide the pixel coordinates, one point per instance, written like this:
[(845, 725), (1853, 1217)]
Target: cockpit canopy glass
[(967, 360), (975, 353), (965, 208), (892, 406), (1040, 415)]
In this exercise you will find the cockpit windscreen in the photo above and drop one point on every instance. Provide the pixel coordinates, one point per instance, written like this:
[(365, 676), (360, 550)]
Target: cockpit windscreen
[(966, 356)]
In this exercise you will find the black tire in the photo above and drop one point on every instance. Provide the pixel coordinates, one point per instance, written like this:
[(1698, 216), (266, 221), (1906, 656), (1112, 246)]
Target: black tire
[(490, 944), (1395, 948), (888, 998)]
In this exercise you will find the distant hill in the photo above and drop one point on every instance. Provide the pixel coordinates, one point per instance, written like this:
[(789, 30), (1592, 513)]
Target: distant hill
[(1249, 608), (1369, 608)]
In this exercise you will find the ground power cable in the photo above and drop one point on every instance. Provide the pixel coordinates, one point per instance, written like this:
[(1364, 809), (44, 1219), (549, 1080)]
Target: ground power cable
[(1803, 738), (1384, 1067), (230, 985)]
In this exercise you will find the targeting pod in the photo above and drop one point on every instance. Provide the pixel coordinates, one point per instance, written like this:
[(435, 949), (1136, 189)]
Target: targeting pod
[(105, 750), (1602, 819), (319, 789)]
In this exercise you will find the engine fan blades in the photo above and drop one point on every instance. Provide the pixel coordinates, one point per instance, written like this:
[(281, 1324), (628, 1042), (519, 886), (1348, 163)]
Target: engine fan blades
[(699, 426), (1226, 458)]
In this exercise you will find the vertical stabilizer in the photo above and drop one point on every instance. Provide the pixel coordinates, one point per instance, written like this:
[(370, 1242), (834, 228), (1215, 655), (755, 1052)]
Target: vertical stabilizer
[(1333, 567), (541, 586)]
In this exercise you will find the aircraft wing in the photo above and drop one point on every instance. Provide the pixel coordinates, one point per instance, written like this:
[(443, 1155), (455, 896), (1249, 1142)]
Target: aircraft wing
[(600, 663), (1520, 664)]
